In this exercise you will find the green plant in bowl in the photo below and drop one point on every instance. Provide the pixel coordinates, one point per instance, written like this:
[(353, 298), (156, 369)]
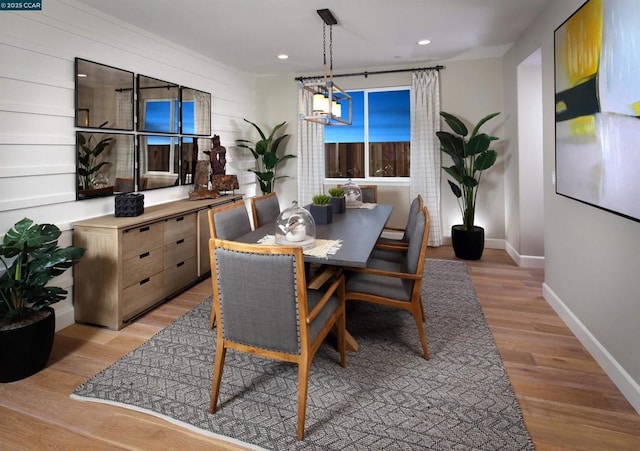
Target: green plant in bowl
[(336, 192), (321, 199)]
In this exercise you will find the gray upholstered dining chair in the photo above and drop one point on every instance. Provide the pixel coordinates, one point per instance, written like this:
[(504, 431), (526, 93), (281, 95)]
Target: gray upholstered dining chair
[(227, 222), (264, 209), (392, 248), (396, 283), (273, 314)]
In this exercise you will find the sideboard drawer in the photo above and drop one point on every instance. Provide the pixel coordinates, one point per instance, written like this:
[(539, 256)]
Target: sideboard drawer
[(179, 227), (141, 295), (179, 251), (142, 266), (139, 240), (179, 275)]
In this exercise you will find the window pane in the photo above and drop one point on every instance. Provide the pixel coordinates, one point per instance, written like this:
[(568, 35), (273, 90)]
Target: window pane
[(353, 133), (345, 160), (389, 159), (389, 116)]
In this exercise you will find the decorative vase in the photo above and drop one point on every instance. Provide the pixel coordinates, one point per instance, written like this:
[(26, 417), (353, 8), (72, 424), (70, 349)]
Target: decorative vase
[(25, 350), (467, 244), (322, 214), (339, 204)]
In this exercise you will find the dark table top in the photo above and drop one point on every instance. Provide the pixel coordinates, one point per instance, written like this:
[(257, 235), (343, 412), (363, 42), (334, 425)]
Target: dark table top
[(358, 228)]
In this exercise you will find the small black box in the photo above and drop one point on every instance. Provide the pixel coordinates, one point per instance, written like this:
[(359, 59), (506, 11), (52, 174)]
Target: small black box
[(129, 204)]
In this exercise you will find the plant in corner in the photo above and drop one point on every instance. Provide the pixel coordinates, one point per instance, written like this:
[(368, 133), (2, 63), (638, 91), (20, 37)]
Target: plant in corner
[(30, 257), (265, 151), (321, 209), (471, 156), (338, 200)]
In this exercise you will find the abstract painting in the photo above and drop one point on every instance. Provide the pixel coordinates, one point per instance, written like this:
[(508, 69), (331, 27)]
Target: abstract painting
[(597, 106)]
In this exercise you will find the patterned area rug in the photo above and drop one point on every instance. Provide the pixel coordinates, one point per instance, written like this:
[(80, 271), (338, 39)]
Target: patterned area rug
[(388, 396)]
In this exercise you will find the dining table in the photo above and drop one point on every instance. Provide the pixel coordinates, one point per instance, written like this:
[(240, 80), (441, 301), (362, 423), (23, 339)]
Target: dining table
[(358, 230)]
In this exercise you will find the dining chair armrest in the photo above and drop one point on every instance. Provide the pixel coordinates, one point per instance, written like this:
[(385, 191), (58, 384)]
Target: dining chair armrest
[(394, 229), (320, 278), (380, 272), (338, 283), (402, 246)]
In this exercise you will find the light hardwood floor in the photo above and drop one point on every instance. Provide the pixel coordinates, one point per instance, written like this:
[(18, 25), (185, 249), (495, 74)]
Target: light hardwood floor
[(567, 401)]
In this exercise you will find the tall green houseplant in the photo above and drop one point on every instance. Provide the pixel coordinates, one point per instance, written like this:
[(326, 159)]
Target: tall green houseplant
[(471, 156), (265, 151)]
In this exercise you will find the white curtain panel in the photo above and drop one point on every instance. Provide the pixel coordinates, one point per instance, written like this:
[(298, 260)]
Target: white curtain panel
[(310, 159), (425, 149), (201, 105), (124, 115)]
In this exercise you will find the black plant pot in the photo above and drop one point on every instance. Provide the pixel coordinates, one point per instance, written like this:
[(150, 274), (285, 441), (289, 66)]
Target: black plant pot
[(339, 204), (467, 244), (322, 214), (25, 350)]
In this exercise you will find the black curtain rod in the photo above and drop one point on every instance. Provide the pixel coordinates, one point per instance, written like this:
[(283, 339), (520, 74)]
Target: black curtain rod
[(366, 74)]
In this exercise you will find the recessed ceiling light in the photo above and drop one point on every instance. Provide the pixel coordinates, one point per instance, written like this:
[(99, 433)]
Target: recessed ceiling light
[(424, 42), (282, 56)]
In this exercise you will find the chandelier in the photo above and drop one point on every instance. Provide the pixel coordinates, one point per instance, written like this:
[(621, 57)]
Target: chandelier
[(331, 105)]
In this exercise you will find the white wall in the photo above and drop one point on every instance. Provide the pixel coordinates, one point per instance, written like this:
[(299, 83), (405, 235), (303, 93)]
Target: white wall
[(37, 139), (471, 89), (591, 256)]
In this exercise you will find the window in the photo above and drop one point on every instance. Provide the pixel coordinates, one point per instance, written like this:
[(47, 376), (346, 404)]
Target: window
[(377, 142)]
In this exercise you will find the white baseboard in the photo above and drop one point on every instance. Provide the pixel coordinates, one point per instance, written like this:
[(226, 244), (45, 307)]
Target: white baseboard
[(524, 261), (65, 315), (625, 383)]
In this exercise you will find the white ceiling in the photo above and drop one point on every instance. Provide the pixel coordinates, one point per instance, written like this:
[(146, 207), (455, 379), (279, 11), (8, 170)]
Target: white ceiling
[(249, 34)]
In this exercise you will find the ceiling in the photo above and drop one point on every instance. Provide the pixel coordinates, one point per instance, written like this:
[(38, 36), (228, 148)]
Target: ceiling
[(249, 34)]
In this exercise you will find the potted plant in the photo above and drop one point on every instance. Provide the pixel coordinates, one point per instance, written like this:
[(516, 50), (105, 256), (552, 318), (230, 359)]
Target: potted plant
[(91, 181), (321, 209), (471, 156), (338, 200), (30, 257), (265, 151)]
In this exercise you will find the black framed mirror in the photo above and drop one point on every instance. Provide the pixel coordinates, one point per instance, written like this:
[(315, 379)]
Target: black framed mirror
[(105, 164), (195, 112), (158, 161), (158, 105), (104, 96)]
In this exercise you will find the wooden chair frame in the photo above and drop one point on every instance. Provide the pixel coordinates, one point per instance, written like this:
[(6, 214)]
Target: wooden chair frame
[(307, 348), (414, 306)]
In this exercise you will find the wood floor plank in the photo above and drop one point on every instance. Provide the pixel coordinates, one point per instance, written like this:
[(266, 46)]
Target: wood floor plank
[(568, 402)]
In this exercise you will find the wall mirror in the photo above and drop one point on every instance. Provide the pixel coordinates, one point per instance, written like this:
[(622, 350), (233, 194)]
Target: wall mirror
[(158, 105), (159, 161), (195, 112), (104, 96), (105, 164)]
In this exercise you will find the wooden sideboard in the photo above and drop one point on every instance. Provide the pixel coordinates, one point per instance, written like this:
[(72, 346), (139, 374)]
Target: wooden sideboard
[(132, 264)]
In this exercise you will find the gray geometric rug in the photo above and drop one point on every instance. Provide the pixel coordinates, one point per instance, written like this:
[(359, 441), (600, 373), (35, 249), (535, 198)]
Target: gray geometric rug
[(388, 396)]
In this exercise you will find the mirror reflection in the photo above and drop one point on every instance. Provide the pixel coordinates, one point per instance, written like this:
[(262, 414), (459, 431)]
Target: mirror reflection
[(158, 107), (159, 161), (104, 96), (196, 112), (105, 164)]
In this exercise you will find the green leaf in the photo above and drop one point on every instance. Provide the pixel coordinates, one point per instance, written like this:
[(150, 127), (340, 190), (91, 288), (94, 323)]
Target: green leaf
[(262, 135), (262, 147), (482, 122), (455, 124), (485, 160), (469, 181), (451, 145), (270, 160), (456, 189), (478, 144), (455, 173)]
